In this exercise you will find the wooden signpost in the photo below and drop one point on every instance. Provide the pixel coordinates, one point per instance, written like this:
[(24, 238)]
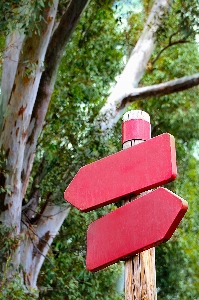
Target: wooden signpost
[(147, 220)]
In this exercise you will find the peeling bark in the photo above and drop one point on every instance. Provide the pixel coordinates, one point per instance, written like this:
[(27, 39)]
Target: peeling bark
[(11, 56), (17, 118), (34, 195), (38, 240)]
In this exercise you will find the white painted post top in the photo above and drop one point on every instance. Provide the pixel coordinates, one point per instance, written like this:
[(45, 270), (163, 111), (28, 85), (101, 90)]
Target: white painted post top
[(137, 115)]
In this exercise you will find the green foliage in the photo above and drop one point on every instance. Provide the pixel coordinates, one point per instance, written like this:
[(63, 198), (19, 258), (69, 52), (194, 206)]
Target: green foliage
[(177, 263), (13, 289), (177, 266), (30, 69), (181, 27), (21, 15), (69, 252), (2, 46), (8, 243), (3, 174), (189, 13)]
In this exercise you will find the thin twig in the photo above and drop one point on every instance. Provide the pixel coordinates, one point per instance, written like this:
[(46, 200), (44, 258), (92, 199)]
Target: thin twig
[(49, 215), (182, 41), (28, 204), (40, 251), (172, 35), (27, 225)]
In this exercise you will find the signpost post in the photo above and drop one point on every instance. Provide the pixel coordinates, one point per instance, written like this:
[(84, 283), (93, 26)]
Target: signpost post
[(140, 272)]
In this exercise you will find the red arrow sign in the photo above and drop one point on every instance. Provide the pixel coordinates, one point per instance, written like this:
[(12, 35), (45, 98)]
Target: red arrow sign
[(133, 170), (134, 227)]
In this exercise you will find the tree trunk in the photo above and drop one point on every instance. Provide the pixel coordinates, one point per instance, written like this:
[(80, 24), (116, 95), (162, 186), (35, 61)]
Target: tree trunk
[(17, 118), (38, 239), (23, 110), (11, 56)]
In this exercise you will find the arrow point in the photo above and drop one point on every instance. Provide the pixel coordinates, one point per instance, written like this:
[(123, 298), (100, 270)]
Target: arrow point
[(139, 225)]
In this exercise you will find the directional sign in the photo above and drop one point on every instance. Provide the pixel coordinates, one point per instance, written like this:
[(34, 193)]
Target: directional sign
[(127, 172), (134, 227)]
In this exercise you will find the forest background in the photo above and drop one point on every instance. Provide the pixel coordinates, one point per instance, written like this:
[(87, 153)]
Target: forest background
[(63, 93)]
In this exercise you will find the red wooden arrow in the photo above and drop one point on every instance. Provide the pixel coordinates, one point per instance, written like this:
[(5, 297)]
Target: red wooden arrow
[(133, 170), (134, 227)]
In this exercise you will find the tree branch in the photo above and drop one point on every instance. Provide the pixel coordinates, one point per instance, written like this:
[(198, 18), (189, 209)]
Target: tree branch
[(47, 228), (173, 86), (170, 44), (135, 67), (34, 195)]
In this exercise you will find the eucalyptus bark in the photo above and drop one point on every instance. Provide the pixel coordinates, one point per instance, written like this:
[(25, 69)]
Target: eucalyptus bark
[(11, 57), (26, 95), (38, 239), (17, 118)]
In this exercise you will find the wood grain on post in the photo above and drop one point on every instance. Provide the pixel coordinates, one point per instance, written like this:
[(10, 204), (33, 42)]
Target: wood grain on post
[(140, 272)]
